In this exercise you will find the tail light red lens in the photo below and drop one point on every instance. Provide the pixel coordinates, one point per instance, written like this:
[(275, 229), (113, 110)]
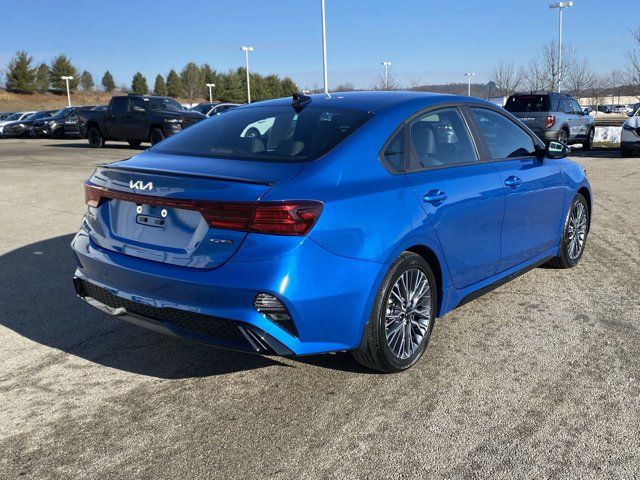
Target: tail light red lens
[(550, 121), (294, 217)]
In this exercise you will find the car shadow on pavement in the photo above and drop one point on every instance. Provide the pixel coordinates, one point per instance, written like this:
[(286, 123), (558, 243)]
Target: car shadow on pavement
[(37, 301), (116, 146), (596, 153)]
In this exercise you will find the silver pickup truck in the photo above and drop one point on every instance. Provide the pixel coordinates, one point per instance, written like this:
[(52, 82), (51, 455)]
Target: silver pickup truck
[(553, 116)]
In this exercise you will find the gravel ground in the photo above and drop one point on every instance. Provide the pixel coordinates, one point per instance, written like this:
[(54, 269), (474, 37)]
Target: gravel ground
[(539, 378)]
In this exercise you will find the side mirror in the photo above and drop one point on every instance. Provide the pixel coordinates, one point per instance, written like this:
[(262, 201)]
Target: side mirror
[(557, 150)]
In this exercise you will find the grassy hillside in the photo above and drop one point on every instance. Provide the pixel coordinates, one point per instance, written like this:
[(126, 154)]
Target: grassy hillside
[(48, 101)]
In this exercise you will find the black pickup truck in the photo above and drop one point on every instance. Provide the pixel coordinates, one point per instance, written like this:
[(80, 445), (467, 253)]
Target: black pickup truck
[(135, 119)]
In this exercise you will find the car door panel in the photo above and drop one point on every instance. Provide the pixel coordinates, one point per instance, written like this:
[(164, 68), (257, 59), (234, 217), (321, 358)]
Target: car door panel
[(462, 198), (532, 187), (468, 221), (532, 208)]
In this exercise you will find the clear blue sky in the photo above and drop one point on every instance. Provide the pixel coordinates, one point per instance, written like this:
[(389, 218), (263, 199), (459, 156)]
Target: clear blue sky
[(426, 41)]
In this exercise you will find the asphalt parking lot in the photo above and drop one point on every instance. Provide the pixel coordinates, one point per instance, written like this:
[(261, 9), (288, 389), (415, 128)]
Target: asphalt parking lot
[(538, 379)]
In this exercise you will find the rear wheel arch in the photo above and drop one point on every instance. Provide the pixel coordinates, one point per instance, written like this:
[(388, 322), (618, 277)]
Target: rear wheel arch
[(432, 259), (584, 191)]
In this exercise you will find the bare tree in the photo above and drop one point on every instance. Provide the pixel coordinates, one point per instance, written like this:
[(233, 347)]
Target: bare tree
[(614, 83), (386, 83), (534, 80), (507, 77), (579, 78), (542, 73), (598, 90), (633, 65)]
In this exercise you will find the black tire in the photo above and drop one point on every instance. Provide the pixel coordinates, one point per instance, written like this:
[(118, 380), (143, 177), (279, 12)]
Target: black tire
[(588, 143), (625, 152), (134, 143), (563, 136), (156, 136), (565, 259), (58, 133), (96, 140), (375, 352)]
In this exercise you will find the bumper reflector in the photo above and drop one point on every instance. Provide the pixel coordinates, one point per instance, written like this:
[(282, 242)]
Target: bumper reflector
[(272, 308)]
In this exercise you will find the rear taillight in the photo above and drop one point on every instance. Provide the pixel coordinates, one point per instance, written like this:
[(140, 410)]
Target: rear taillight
[(292, 217), (550, 121)]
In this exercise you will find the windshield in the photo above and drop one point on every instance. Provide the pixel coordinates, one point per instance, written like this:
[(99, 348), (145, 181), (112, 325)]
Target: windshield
[(15, 116), (528, 103), (203, 108), (37, 115), (164, 104), (65, 111), (267, 133)]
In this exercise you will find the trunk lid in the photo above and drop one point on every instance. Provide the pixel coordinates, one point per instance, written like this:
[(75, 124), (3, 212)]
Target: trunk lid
[(143, 211)]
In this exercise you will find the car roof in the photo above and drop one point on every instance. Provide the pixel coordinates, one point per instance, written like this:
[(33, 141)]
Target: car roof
[(371, 101)]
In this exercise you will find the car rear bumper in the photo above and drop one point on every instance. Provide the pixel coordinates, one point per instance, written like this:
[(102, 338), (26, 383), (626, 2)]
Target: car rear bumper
[(329, 297)]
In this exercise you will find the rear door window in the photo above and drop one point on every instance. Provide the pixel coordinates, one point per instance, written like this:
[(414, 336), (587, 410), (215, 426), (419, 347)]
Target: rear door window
[(393, 155), (440, 138), (504, 138)]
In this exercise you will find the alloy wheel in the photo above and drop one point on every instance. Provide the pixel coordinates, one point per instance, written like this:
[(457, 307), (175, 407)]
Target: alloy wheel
[(576, 231), (408, 313)]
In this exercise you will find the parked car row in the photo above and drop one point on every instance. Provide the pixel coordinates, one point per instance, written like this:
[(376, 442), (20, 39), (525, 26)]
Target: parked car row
[(43, 123)]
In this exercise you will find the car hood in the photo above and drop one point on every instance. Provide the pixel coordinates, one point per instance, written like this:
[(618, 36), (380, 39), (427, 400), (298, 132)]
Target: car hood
[(177, 114), (633, 122)]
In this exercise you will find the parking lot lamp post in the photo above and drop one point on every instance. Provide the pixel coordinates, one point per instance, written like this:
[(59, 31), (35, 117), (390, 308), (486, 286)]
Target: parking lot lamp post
[(560, 6), (246, 51), (210, 85), (324, 50), (386, 74), (469, 75), (66, 79)]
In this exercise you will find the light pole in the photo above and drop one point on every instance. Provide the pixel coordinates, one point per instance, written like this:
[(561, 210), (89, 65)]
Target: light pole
[(469, 75), (210, 85), (560, 6), (66, 79), (324, 50), (386, 65), (246, 51)]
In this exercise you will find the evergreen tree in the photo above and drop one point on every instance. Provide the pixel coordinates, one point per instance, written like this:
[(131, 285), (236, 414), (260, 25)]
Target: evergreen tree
[(107, 82), (288, 87), (21, 76), (42, 78), (139, 84), (174, 87), (160, 88), (86, 81), (209, 75), (191, 79), (62, 66)]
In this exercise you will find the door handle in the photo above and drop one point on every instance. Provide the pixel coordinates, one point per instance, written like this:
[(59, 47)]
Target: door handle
[(513, 181), (434, 196)]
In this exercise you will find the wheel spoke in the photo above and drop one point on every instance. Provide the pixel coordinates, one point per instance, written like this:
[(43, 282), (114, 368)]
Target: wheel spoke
[(408, 313)]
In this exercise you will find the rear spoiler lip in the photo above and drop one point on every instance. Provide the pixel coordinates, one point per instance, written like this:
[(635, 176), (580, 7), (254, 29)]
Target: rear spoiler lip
[(178, 173)]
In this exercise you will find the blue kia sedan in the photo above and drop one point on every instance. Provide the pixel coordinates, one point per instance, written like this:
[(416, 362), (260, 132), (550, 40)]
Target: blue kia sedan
[(323, 223)]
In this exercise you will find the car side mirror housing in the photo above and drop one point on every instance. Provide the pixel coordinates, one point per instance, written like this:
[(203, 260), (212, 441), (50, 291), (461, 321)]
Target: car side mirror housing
[(557, 150)]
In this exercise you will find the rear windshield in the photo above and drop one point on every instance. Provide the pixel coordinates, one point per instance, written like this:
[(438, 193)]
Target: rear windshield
[(268, 133), (528, 103)]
